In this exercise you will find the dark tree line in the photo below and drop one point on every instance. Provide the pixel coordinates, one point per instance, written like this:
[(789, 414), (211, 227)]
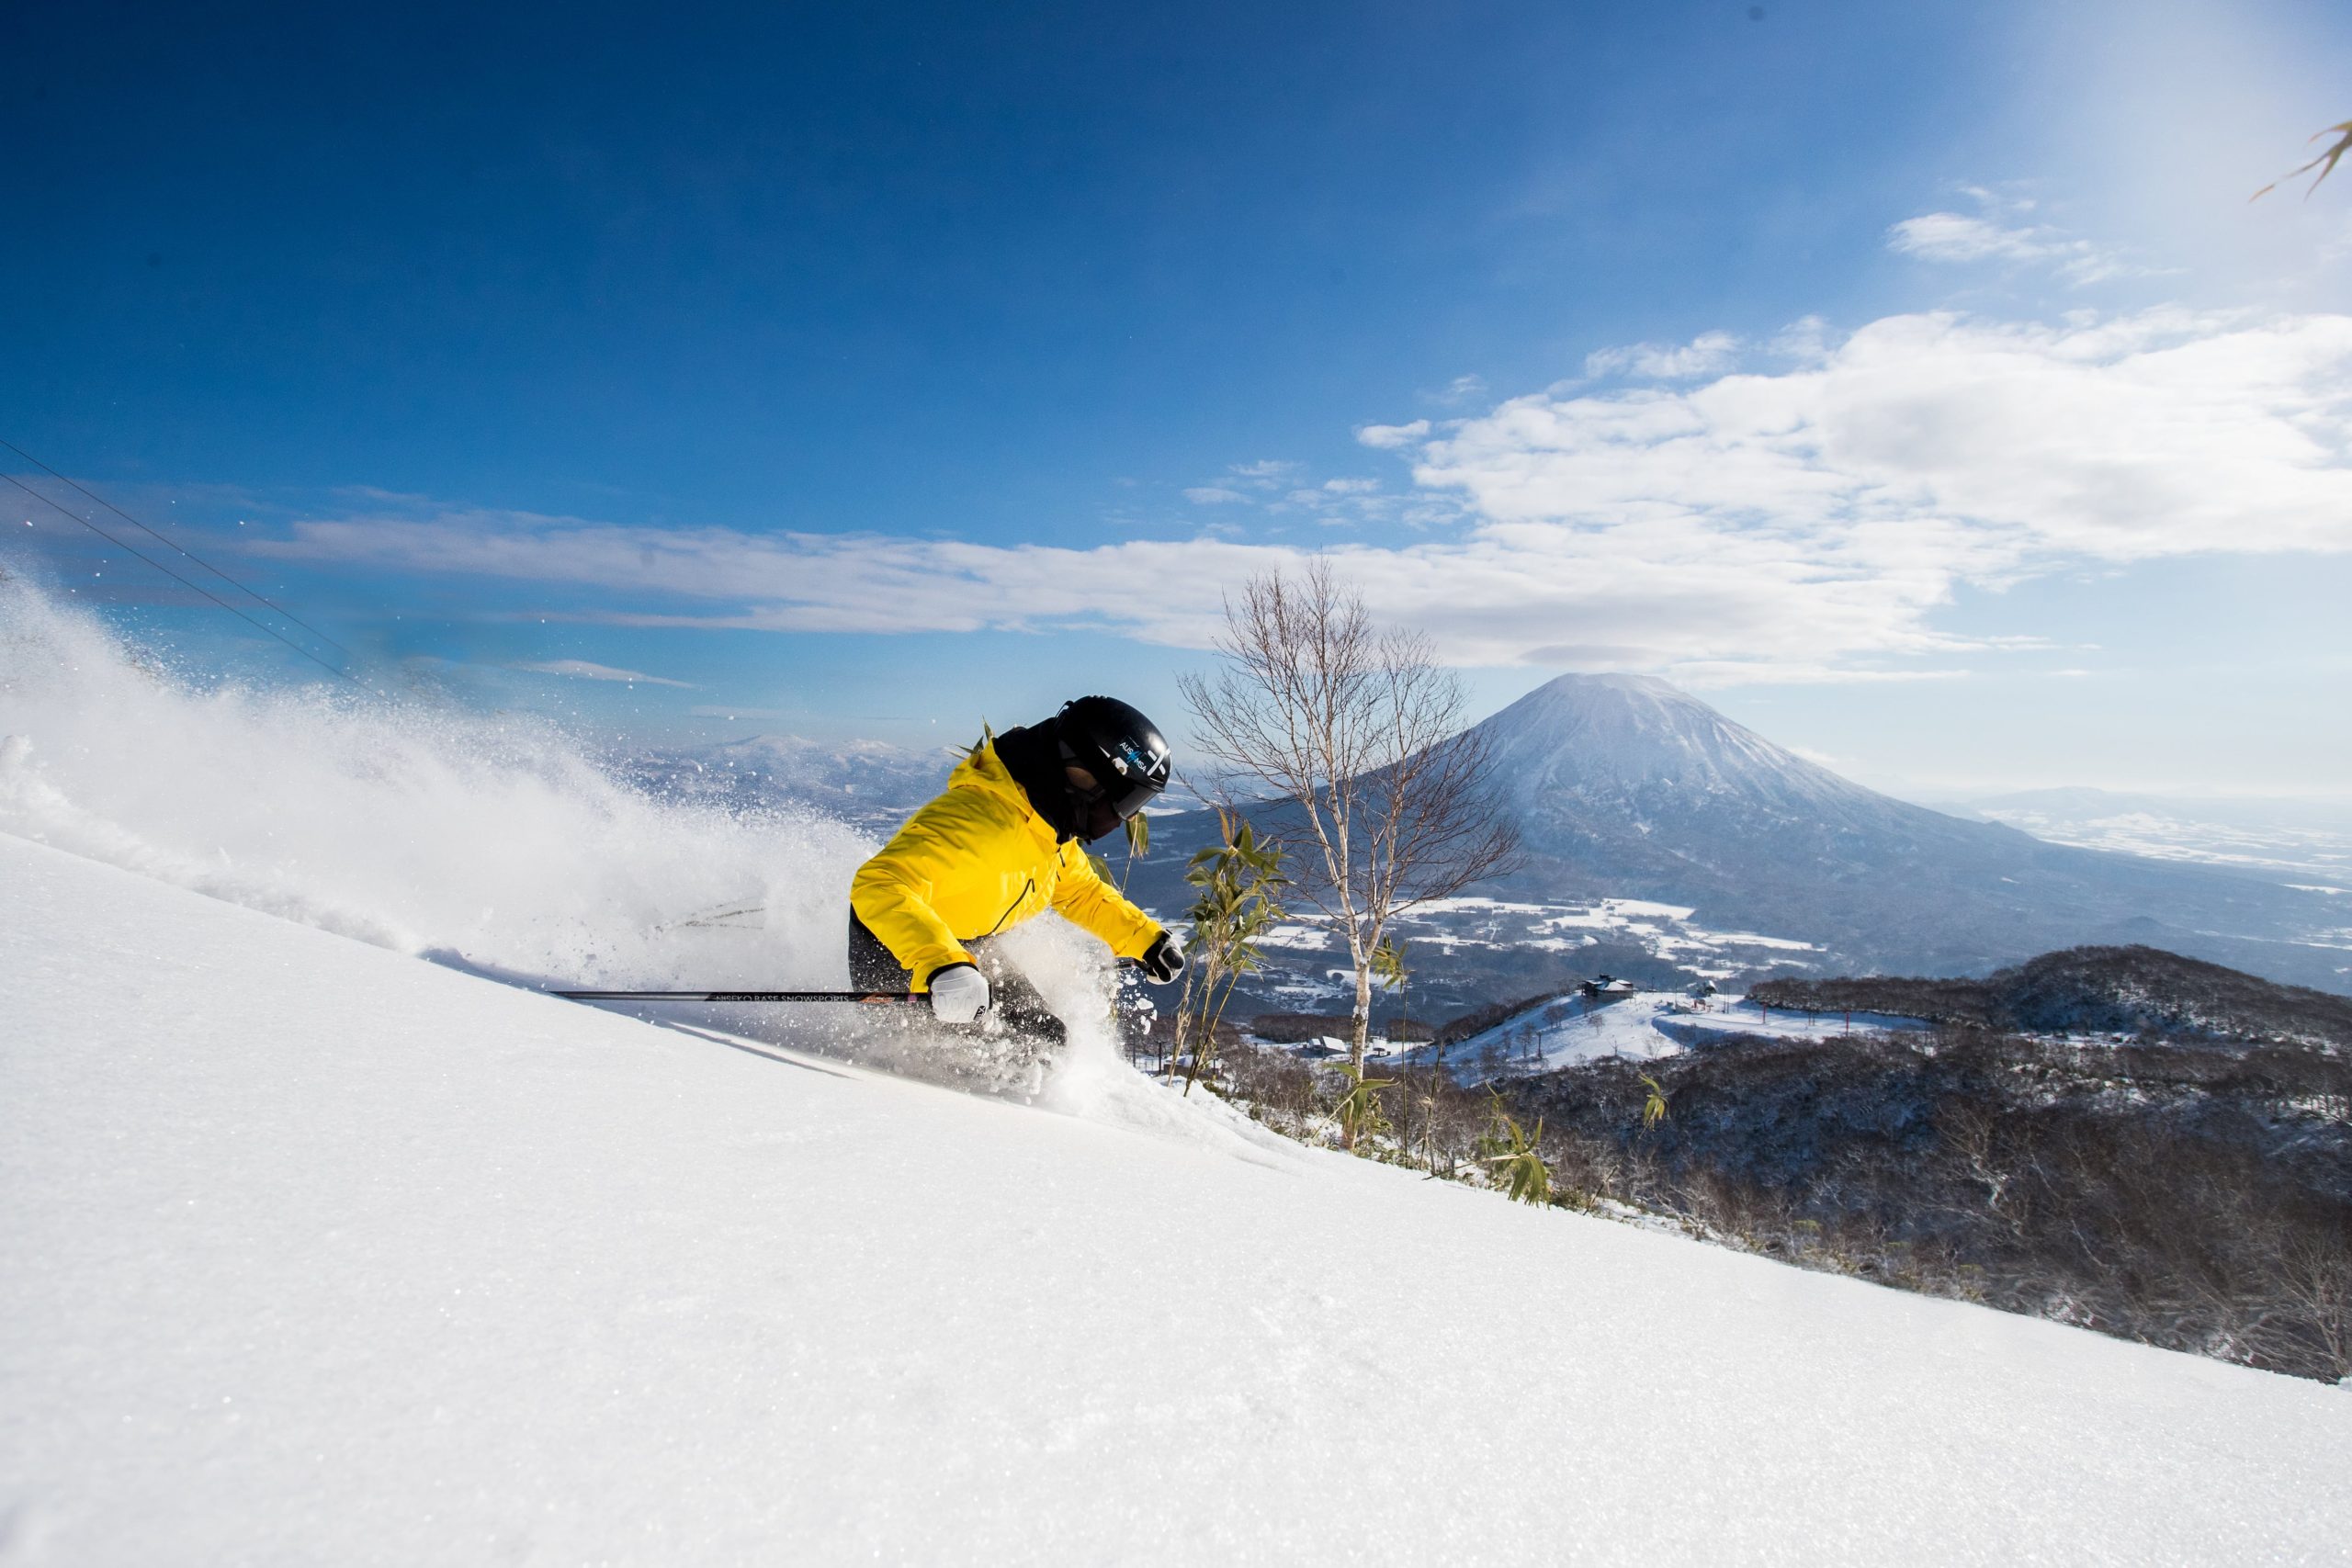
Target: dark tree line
[(2128, 990), (2185, 1197)]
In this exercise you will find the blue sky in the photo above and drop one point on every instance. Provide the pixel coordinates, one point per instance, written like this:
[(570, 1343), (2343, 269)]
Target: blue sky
[(1916, 382)]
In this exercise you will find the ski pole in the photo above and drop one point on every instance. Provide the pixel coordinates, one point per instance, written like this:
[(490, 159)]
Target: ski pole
[(755, 996), (735, 995)]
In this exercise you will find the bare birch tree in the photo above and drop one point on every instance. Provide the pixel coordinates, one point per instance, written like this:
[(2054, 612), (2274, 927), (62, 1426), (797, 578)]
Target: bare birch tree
[(1361, 732)]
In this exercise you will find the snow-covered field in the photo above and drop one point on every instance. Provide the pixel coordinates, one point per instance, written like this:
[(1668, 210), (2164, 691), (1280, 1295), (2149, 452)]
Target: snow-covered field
[(321, 1254), (1448, 925), (318, 1253), (1665, 930), (1570, 1030)]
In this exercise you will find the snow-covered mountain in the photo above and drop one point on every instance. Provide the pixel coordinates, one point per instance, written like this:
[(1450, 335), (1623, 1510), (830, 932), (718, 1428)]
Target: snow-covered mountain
[(1626, 786), (320, 1254), (869, 783), (1640, 741), (1630, 793)]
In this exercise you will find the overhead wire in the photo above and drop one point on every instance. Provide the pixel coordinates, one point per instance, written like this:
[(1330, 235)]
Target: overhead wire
[(175, 544), (167, 572)]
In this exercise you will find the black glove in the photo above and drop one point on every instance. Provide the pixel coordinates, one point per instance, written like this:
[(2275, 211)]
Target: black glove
[(1164, 959)]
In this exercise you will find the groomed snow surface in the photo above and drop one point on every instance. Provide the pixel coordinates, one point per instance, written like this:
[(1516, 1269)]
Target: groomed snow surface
[(320, 1254)]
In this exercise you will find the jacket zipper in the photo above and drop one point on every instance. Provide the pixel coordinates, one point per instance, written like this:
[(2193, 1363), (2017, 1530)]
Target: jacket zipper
[(1027, 888)]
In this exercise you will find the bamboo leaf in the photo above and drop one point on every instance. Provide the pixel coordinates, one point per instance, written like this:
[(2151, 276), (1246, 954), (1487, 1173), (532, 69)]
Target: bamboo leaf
[(1654, 1108), (2325, 162)]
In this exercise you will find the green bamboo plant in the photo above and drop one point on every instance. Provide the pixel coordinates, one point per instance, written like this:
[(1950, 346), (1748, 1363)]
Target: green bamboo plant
[(1388, 972), (1238, 880), (1138, 828), (1519, 1163), (1360, 1112), (1653, 1107), (1138, 845)]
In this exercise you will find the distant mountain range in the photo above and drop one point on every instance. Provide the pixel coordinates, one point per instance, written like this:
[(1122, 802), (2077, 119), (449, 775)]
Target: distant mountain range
[(2134, 990), (2294, 841), (870, 784), (1632, 795)]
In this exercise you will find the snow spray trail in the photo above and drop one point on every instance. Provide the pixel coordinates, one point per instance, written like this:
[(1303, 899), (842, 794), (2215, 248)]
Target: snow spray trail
[(495, 841)]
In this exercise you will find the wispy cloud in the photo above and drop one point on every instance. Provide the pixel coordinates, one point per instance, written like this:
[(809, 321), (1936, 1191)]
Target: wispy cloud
[(1708, 354), (1248, 484), (582, 669), (1800, 525), (1388, 437), (1455, 393), (1999, 234)]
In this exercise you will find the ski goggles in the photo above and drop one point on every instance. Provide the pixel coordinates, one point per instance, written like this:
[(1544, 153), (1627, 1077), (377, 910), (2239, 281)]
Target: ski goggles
[(1122, 796)]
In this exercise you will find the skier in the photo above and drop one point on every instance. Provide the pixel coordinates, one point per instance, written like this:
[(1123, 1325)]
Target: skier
[(1004, 843)]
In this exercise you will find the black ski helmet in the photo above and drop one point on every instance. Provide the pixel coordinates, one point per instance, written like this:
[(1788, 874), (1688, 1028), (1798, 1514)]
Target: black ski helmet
[(1125, 752)]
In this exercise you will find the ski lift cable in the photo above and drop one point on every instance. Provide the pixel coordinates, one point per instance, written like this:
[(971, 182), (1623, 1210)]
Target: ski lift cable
[(175, 544), (167, 572)]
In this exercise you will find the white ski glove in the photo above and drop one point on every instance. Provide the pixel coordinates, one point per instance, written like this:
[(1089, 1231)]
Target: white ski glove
[(959, 994)]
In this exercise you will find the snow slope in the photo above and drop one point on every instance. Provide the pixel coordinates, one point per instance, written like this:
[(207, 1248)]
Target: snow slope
[(1570, 1030), (320, 1254)]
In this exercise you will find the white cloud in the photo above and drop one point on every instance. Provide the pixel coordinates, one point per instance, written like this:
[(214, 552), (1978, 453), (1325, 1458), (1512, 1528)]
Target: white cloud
[(1957, 238), (582, 669), (1460, 390), (1708, 354), (1350, 487), (1980, 445), (1388, 437), (1808, 524), (1806, 340), (1264, 476)]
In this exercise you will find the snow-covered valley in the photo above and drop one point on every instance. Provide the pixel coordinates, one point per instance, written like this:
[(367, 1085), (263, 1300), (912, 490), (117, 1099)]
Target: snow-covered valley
[(1522, 935), (1568, 1030), (330, 1255)]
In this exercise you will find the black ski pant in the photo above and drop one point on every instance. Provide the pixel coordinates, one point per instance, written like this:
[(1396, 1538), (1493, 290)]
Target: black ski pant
[(873, 967)]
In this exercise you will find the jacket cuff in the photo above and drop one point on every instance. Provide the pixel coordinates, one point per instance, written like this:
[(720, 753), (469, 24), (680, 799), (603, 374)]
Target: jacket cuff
[(939, 969)]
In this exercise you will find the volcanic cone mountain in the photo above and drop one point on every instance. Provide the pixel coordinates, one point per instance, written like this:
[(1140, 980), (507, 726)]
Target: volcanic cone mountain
[(1623, 785)]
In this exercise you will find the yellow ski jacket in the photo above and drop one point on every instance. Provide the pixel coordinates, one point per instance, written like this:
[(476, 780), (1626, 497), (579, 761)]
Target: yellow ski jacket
[(977, 861)]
